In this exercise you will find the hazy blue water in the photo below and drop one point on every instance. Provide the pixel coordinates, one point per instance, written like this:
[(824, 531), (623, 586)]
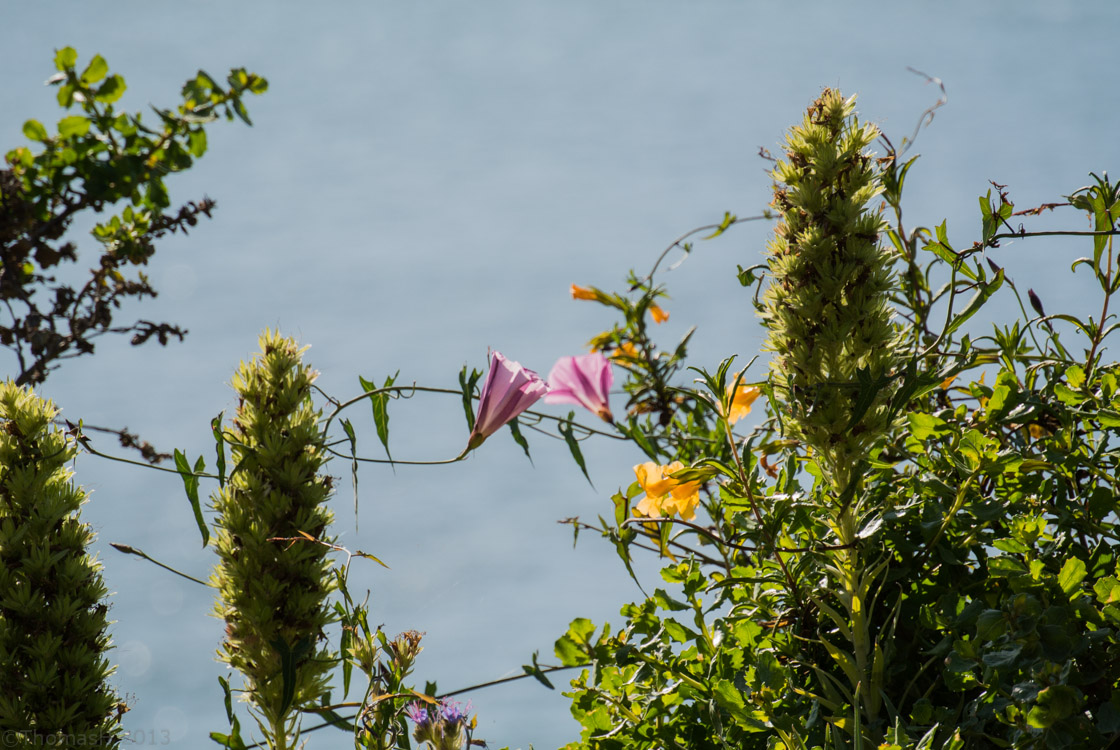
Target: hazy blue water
[(424, 181)]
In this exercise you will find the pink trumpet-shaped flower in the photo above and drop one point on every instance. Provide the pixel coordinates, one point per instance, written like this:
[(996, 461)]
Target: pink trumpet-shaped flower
[(509, 390), (584, 380)]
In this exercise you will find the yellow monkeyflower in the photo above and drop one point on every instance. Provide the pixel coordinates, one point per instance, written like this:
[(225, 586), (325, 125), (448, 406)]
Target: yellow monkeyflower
[(659, 315), (582, 292), (741, 401), (666, 496)]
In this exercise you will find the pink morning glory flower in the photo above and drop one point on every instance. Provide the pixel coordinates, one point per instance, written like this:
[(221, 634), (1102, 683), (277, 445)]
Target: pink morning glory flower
[(584, 380), (509, 390)]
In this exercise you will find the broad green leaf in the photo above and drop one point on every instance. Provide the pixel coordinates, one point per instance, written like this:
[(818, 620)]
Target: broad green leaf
[(922, 426), (571, 647), (65, 58), (991, 624), (95, 71), (1003, 658), (1071, 576), (1066, 395), (1005, 567), (1075, 376), (111, 90), (35, 131)]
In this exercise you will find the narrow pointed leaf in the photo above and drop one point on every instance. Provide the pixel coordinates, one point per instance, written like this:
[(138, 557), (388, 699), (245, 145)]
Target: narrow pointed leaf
[(190, 484)]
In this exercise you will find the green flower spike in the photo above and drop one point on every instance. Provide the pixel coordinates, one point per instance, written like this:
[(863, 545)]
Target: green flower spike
[(53, 620), (274, 571), (827, 306)]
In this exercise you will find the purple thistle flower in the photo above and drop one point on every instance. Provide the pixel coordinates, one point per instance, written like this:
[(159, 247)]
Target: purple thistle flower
[(418, 712), (584, 380), (509, 390), (452, 712)]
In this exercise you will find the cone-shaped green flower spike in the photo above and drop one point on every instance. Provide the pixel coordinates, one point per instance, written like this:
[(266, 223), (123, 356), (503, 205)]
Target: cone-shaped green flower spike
[(827, 305), (273, 580), (53, 627)]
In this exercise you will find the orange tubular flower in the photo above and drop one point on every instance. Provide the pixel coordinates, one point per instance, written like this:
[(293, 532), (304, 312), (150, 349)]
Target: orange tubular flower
[(626, 350), (582, 292), (741, 401), (659, 315), (666, 496)]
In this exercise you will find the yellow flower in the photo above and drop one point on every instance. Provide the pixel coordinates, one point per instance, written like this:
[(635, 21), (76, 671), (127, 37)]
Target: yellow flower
[(666, 496), (626, 349), (741, 401), (582, 292), (659, 315)]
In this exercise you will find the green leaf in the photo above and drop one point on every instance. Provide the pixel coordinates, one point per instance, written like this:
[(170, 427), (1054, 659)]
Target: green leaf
[(190, 484), (977, 301), (573, 445), (290, 658), (536, 672), (220, 448), (1075, 376), (35, 131), (228, 698), (196, 142), (990, 625), (1067, 395), (571, 648), (348, 428), (728, 697), (65, 58), (467, 384), (515, 430), (634, 432), (922, 426), (728, 220), (95, 71), (1005, 657), (380, 404), (1073, 573), (111, 90)]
